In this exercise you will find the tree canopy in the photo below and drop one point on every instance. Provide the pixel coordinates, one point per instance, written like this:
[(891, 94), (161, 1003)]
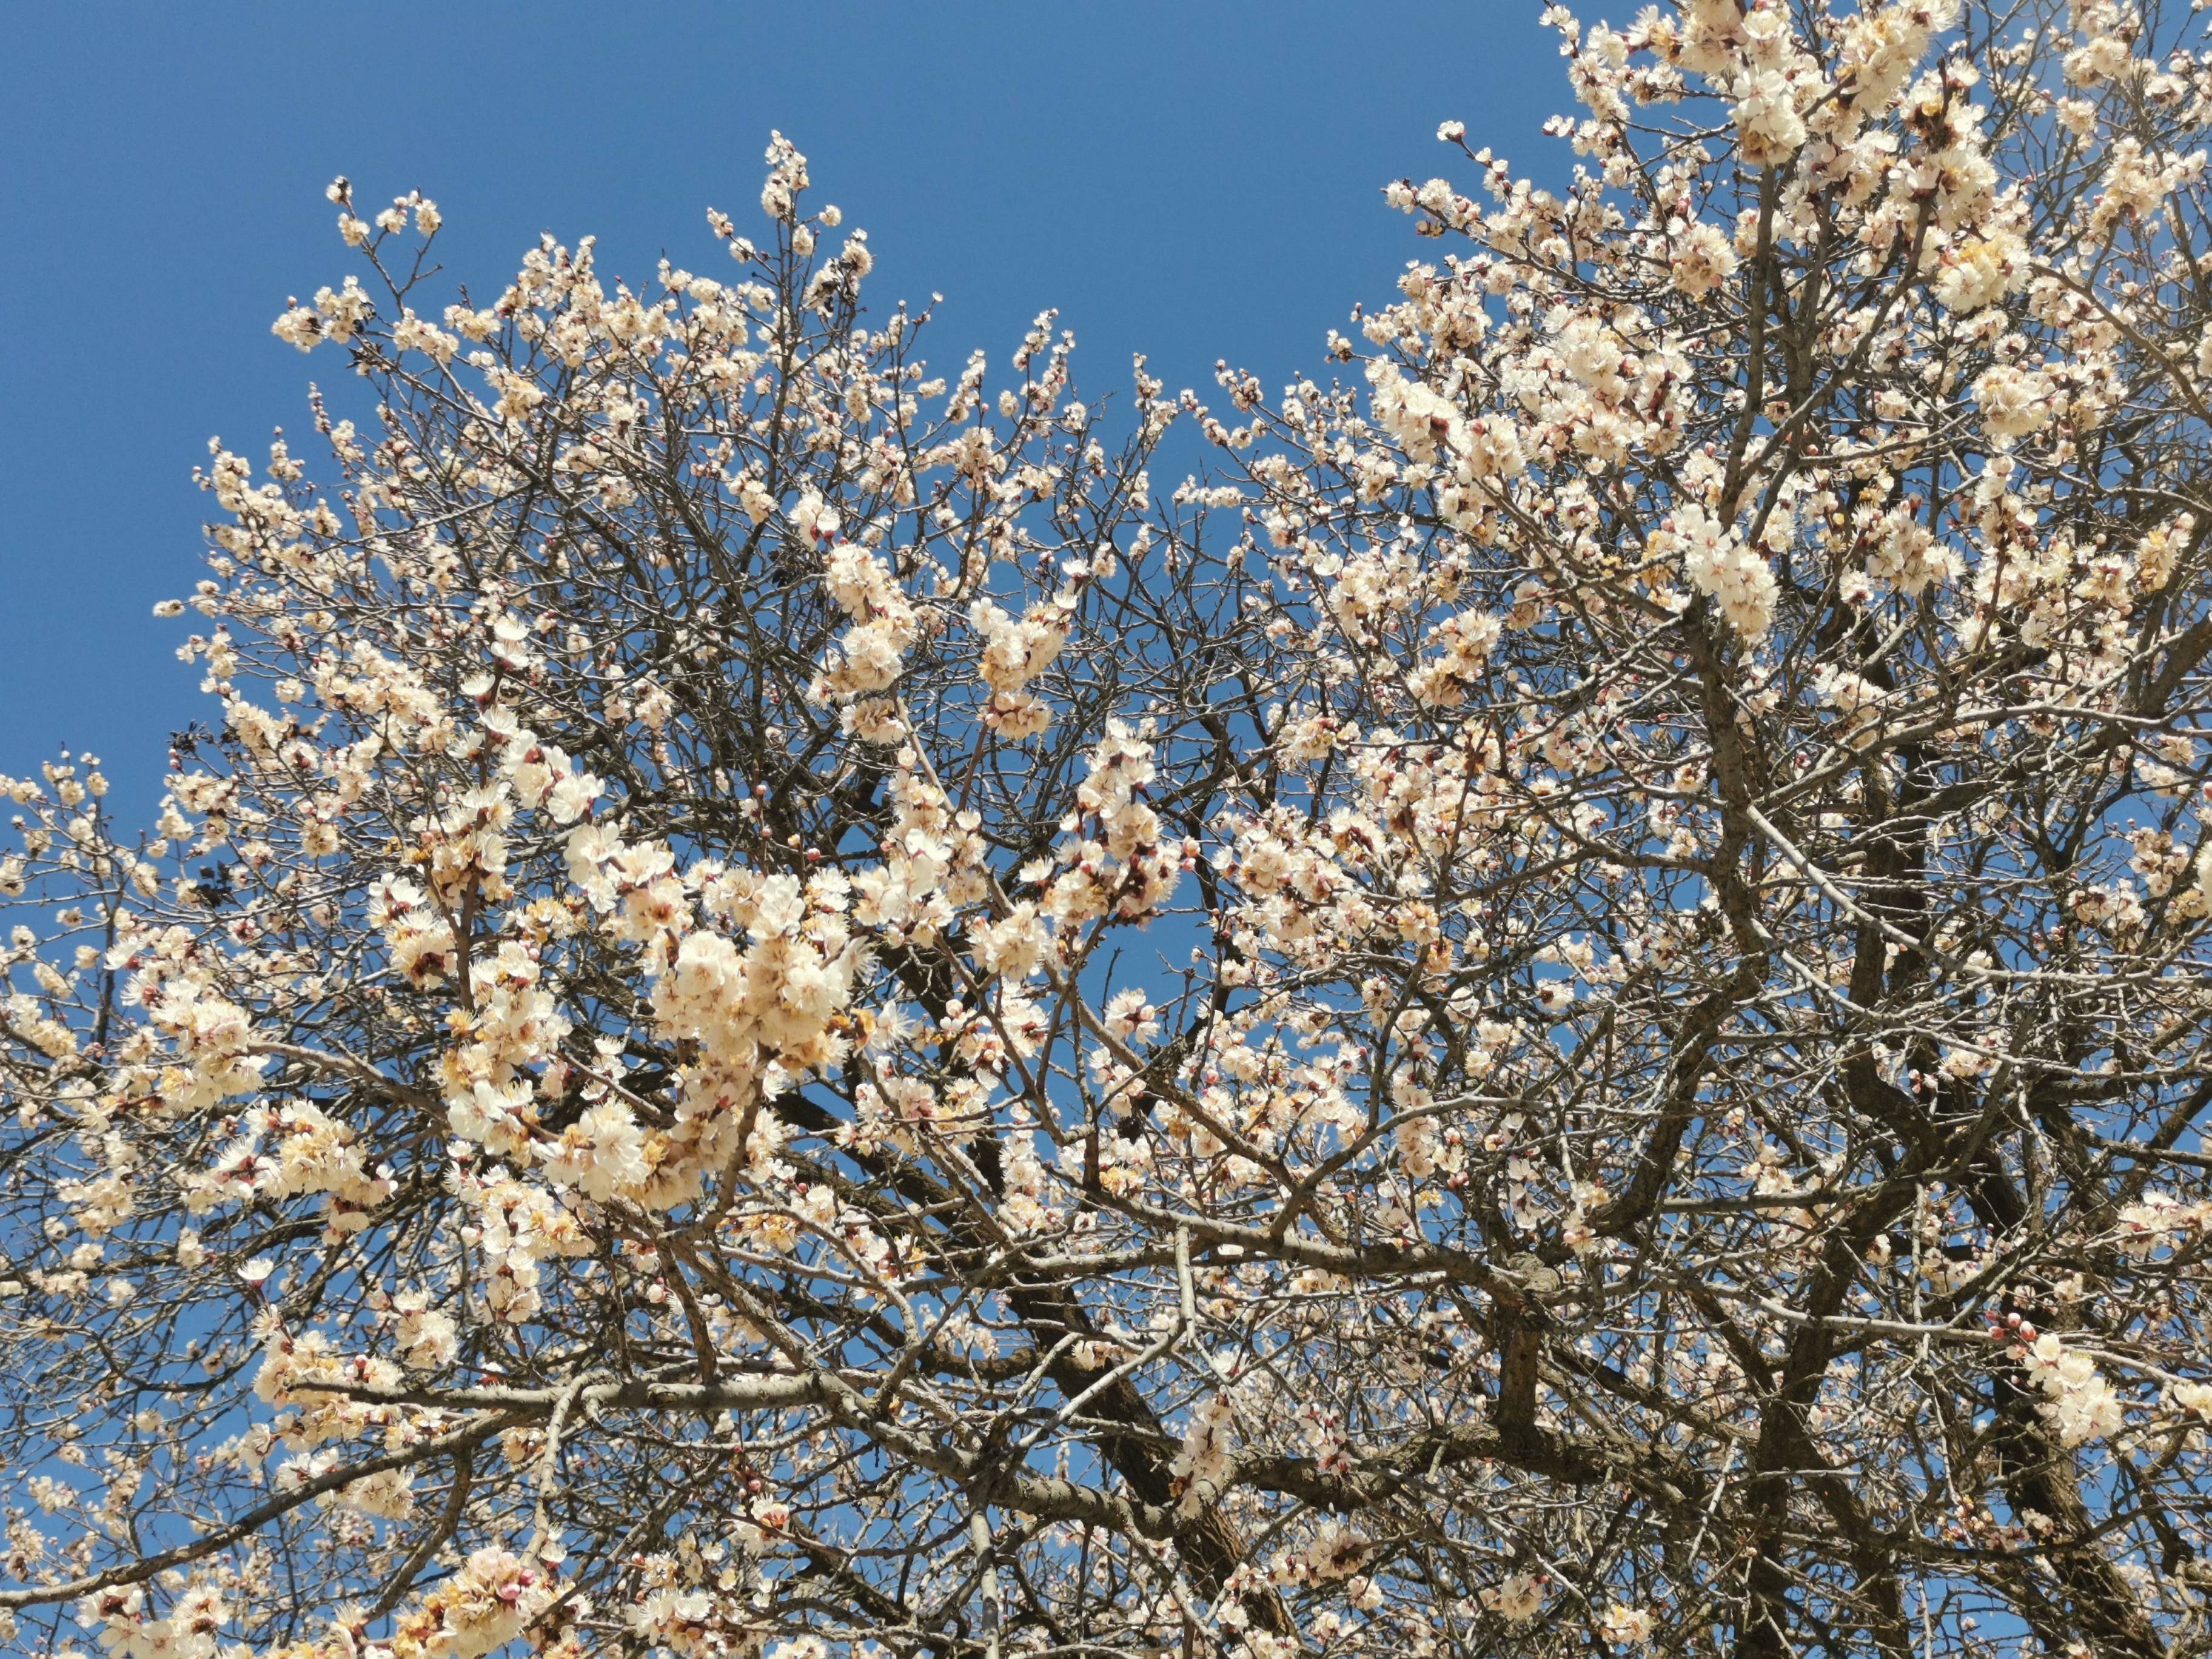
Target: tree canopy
[(796, 1005)]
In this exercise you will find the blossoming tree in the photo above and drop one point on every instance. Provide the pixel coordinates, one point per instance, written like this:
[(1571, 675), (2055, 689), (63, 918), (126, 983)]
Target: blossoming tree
[(1562, 1008)]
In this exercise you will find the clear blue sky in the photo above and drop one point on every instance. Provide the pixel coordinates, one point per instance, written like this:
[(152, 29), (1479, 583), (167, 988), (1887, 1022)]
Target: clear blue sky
[(1195, 180)]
